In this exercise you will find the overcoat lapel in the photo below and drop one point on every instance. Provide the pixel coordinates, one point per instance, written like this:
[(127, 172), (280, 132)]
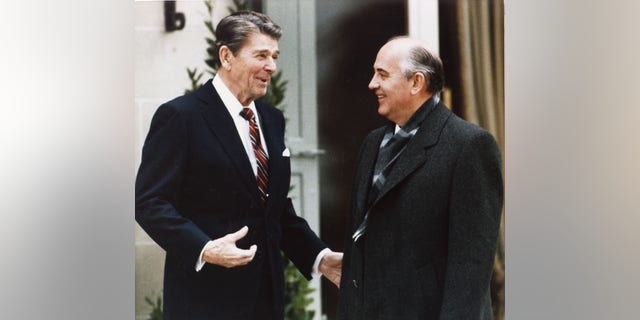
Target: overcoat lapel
[(415, 153), (365, 170), (222, 126)]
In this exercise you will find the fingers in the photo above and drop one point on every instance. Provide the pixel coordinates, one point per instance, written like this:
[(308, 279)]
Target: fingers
[(334, 277), (231, 256), (242, 257), (224, 252), (331, 267), (336, 281), (233, 237)]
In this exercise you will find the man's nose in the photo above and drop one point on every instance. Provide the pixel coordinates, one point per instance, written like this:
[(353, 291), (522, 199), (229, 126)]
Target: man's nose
[(271, 66), (373, 84)]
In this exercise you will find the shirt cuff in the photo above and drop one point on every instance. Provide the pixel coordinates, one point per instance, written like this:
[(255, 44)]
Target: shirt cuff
[(200, 263), (314, 271)]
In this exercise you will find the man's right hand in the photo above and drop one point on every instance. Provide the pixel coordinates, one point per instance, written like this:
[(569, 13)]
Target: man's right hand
[(224, 252)]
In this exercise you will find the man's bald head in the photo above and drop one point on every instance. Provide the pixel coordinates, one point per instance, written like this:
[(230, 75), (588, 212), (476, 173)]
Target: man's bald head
[(418, 58)]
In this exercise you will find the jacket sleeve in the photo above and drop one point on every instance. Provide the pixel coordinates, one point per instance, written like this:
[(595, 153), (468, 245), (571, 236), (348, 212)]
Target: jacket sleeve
[(158, 187), (299, 243), (474, 220)]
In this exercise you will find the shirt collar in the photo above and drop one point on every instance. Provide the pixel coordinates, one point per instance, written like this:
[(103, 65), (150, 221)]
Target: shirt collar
[(416, 119), (230, 101)]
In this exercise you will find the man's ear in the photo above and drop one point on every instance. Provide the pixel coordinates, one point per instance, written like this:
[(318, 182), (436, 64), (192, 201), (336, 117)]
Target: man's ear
[(419, 83), (225, 55)]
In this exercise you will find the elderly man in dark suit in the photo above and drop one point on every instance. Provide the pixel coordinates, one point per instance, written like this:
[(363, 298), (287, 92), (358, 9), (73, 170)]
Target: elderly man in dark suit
[(212, 188), (428, 195)]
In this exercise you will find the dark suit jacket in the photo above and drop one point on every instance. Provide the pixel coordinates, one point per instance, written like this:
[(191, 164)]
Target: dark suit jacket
[(195, 183), (429, 248)]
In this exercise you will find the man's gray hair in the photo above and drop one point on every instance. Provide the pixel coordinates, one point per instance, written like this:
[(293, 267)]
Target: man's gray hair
[(233, 30), (421, 60)]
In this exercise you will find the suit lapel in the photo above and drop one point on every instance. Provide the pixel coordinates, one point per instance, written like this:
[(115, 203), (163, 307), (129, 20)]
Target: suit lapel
[(222, 126), (415, 153)]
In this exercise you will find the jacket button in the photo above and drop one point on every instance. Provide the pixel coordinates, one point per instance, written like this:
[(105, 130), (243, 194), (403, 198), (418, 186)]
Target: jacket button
[(355, 284)]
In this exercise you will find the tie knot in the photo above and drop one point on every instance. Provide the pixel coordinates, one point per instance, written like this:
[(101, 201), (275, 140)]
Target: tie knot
[(247, 113)]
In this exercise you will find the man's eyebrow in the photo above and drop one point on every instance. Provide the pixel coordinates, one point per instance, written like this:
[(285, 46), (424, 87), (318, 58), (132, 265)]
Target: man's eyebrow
[(265, 51), (381, 70)]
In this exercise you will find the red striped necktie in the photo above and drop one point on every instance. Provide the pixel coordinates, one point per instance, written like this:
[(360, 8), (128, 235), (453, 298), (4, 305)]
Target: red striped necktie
[(262, 175)]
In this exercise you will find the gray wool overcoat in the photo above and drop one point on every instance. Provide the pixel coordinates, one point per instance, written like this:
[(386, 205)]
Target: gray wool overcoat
[(429, 248)]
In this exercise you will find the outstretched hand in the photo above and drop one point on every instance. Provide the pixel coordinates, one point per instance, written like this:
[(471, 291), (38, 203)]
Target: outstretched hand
[(224, 252), (331, 267)]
